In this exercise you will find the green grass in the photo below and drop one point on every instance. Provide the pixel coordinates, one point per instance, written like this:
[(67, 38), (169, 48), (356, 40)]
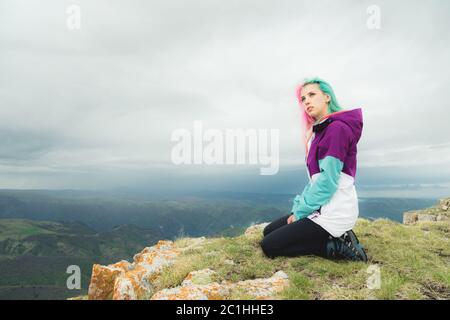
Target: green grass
[(414, 263), (34, 255), (18, 229)]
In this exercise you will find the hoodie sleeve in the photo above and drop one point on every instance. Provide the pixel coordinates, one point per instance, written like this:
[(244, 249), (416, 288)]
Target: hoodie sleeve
[(332, 150), (320, 191)]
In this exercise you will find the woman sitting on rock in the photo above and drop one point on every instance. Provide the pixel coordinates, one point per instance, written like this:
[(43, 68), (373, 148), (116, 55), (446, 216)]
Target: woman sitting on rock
[(324, 214)]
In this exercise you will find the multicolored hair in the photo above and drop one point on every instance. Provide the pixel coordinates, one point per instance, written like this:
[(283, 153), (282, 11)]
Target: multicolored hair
[(306, 120)]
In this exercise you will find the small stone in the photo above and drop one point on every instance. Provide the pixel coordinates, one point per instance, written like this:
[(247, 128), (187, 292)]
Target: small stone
[(194, 244), (199, 277), (410, 217), (445, 208), (426, 217), (281, 275), (255, 229)]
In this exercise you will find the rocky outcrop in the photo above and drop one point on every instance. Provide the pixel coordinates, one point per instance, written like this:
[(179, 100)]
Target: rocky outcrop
[(103, 279), (439, 212), (255, 230), (131, 281), (236, 268), (195, 288)]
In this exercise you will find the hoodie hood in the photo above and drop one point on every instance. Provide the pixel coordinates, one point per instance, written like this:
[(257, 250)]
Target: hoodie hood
[(353, 118)]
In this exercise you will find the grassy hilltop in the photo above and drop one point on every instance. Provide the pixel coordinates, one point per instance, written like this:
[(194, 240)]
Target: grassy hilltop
[(414, 263)]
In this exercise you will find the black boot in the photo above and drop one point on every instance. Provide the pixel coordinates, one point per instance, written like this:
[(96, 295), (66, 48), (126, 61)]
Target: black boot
[(346, 247)]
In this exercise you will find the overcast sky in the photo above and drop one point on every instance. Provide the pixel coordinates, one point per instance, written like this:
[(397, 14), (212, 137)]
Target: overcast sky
[(95, 107)]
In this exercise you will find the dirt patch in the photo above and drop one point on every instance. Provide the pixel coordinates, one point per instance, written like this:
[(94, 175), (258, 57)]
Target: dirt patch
[(435, 291)]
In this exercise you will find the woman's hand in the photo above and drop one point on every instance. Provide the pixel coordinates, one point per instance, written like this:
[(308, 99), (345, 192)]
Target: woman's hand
[(291, 219)]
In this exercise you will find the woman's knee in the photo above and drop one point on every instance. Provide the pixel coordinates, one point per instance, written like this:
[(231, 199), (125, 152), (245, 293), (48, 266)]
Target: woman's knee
[(267, 249), (266, 230), (275, 225)]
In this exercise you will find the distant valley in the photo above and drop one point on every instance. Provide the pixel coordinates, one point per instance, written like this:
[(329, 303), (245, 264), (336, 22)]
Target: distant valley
[(43, 232)]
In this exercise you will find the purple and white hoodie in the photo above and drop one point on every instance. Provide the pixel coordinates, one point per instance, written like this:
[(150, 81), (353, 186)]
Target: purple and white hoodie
[(330, 198)]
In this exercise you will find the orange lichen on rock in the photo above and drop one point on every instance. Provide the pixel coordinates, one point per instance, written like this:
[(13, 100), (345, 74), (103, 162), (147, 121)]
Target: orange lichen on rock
[(260, 289), (130, 281), (102, 279)]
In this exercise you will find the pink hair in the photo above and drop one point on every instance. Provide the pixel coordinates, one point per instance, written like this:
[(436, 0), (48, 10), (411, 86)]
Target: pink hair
[(306, 121)]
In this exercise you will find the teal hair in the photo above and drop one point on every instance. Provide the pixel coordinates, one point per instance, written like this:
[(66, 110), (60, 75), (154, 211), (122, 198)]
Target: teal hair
[(333, 106)]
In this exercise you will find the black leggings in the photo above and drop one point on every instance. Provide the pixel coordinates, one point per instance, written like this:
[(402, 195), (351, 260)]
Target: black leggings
[(301, 237)]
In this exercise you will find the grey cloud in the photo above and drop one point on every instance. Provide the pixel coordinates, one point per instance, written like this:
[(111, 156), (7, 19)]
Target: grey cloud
[(25, 145), (110, 94)]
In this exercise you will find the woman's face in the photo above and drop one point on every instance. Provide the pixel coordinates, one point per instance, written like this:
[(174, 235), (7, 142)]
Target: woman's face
[(314, 101)]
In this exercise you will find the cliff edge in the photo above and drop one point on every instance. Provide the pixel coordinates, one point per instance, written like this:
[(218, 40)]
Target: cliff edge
[(406, 261)]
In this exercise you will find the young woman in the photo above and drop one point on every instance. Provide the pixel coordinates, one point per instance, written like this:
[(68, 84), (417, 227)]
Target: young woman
[(323, 215)]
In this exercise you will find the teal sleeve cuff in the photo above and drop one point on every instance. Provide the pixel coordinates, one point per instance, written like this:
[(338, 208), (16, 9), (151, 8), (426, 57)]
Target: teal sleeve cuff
[(319, 192)]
